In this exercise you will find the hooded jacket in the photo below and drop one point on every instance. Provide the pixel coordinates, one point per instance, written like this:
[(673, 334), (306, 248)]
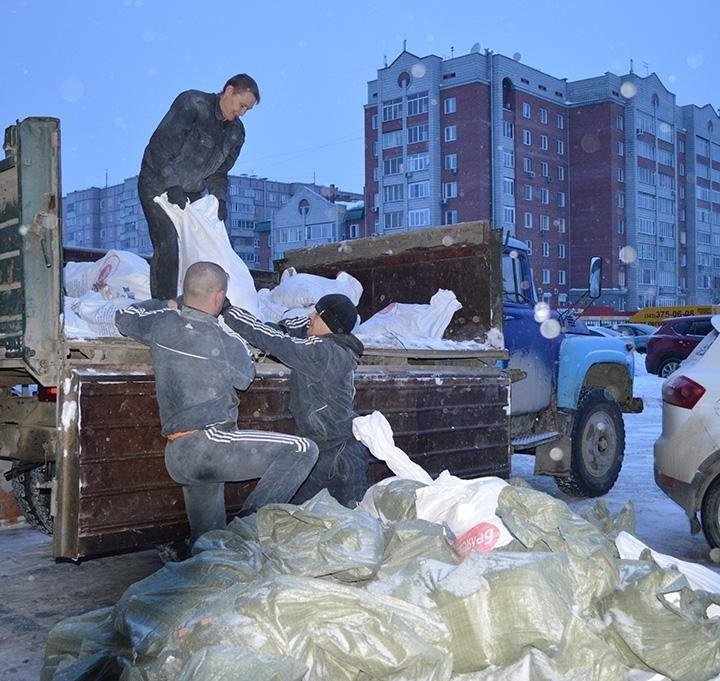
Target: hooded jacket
[(322, 388)]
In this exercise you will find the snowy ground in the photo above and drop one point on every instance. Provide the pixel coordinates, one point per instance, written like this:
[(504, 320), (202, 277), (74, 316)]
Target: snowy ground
[(661, 524)]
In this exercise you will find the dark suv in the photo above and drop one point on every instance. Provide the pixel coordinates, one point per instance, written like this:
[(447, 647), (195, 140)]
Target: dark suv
[(673, 342)]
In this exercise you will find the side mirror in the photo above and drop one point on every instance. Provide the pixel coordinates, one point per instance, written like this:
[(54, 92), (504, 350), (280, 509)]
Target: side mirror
[(595, 278)]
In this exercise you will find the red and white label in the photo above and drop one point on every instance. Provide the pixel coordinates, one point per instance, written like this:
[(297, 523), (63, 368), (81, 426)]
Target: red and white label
[(479, 539)]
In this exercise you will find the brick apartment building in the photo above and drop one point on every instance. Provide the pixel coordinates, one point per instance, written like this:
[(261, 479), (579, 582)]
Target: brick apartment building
[(606, 166)]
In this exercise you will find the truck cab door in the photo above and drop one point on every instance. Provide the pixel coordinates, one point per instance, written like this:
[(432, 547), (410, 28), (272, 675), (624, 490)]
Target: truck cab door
[(531, 352)]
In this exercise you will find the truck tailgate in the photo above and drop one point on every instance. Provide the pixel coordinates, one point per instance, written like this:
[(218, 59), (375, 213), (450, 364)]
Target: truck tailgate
[(114, 494)]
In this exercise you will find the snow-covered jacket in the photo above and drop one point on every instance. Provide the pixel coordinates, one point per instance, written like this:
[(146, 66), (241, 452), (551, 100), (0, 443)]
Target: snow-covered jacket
[(322, 389), (197, 364)]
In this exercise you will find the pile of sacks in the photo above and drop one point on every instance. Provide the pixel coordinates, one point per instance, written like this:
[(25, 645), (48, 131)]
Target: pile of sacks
[(322, 592)]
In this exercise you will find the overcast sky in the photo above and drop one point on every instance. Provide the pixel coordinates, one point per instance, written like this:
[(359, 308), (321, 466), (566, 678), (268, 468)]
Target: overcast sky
[(109, 69)]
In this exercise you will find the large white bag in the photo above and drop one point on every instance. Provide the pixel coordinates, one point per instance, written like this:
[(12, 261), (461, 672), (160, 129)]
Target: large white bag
[(467, 507), (301, 289), (118, 274), (201, 236), (411, 320)]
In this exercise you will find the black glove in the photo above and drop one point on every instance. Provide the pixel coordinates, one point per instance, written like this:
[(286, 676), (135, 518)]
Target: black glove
[(222, 209), (177, 195)]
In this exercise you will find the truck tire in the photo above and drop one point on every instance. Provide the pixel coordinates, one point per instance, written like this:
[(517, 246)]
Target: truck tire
[(710, 514), (598, 445), (33, 497)]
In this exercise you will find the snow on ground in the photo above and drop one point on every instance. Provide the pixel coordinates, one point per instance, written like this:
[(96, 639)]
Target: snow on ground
[(661, 524)]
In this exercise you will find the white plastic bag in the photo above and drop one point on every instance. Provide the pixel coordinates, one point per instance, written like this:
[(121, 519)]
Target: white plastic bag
[(93, 316), (201, 236), (467, 507), (410, 320), (301, 289), (118, 274)]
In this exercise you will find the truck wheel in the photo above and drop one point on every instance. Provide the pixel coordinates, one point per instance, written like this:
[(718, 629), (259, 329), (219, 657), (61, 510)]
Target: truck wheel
[(668, 366), (32, 495), (598, 446), (710, 514)]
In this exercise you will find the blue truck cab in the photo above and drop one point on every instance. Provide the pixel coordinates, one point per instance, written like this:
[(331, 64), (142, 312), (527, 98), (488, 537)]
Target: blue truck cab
[(569, 388)]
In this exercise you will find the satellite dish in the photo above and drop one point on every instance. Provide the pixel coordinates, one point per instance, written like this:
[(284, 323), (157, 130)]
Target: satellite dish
[(475, 49), (517, 56)]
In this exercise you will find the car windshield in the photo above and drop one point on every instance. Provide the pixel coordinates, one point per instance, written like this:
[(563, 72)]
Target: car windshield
[(702, 347)]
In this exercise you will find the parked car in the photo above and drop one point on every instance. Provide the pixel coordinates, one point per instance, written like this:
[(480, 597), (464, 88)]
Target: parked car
[(687, 453), (673, 342), (638, 332), (603, 331)]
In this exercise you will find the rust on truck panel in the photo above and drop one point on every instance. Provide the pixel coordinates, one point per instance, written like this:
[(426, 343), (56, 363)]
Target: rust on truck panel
[(124, 498)]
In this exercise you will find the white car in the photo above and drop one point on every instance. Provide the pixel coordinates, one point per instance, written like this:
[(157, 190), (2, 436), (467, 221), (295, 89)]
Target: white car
[(687, 453)]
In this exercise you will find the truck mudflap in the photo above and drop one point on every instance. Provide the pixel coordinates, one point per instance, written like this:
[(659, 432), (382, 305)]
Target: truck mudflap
[(113, 492)]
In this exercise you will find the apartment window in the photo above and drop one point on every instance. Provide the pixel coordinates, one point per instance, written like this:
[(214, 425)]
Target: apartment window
[(646, 226), (394, 192), (419, 218), (450, 217), (450, 133), (527, 164), (526, 110), (508, 130), (509, 159), (354, 231), (543, 142), (451, 162), (450, 106), (544, 195), (620, 149), (393, 219), (529, 245), (450, 190), (419, 161), (543, 115), (392, 109), (620, 122), (527, 137), (681, 169), (546, 276), (528, 220), (508, 186), (544, 223), (509, 215), (561, 199), (561, 251), (620, 175), (621, 226), (681, 147), (375, 149), (560, 222), (621, 200), (561, 277), (392, 139), (560, 120), (419, 190), (418, 133), (646, 201), (376, 174), (393, 166), (527, 193), (417, 103), (544, 168), (546, 249), (560, 147), (374, 121)]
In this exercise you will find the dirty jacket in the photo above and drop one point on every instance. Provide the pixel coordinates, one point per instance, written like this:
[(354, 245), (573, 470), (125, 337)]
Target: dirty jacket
[(197, 365), (193, 147), (322, 388)]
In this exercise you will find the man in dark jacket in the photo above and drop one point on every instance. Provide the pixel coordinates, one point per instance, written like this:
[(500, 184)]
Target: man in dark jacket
[(198, 366), (192, 150), (322, 354)]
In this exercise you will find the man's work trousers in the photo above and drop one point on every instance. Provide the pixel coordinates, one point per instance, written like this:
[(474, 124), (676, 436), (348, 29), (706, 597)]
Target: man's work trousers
[(203, 461)]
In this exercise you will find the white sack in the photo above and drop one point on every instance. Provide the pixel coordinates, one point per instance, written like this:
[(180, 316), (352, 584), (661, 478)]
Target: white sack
[(92, 315), (411, 320), (698, 576), (300, 289), (201, 236), (118, 274), (467, 507)]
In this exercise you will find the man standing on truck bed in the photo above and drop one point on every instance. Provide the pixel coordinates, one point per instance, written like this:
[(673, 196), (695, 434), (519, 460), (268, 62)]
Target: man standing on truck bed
[(322, 354), (198, 366), (193, 149)]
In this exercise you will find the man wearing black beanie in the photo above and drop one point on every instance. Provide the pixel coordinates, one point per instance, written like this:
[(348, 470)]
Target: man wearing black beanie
[(322, 353)]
